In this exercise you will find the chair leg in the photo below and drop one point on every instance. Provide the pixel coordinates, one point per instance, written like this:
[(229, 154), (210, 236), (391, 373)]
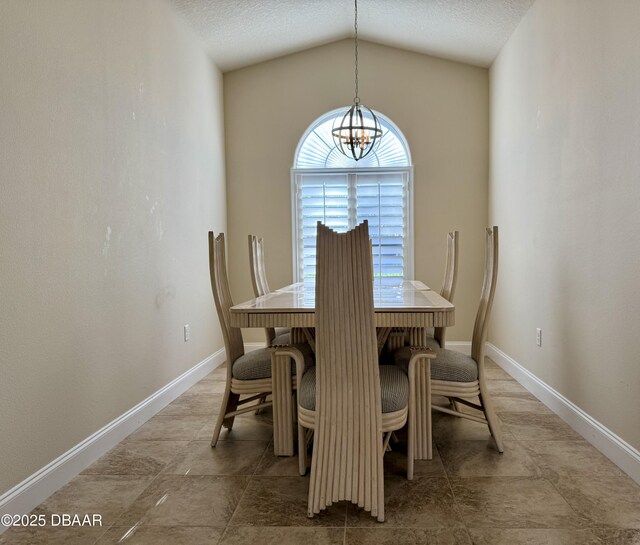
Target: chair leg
[(232, 405), (492, 421), (229, 403), (386, 437), (412, 425), (261, 400), (302, 450)]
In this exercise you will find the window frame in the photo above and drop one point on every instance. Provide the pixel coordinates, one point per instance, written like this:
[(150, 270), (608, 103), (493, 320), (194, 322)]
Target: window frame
[(354, 170), (295, 219)]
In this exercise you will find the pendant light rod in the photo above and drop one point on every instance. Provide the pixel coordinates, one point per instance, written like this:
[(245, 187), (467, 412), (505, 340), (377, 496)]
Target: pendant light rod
[(356, 99), (358, 132)]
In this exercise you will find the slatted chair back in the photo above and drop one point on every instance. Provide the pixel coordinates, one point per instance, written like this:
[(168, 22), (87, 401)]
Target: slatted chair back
[(448, 288), (233, 343), (486, 297), (259, 276), (347, 449)]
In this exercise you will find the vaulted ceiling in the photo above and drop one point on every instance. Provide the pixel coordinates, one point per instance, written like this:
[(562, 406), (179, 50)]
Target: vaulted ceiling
[(238, 33)]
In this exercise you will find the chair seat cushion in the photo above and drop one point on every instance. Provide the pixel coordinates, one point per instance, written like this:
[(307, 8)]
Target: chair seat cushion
[(253, 365), (256, 364), (430, 342), (447, 365), (394, 386), (282, 330), (282, 338)]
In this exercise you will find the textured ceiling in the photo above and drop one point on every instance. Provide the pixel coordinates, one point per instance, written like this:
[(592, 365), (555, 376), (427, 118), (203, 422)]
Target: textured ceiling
[(238, 33)]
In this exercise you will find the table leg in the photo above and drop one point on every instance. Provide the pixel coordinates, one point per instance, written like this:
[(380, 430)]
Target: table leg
[(298, 335), (282, 405), (423, 444), (396, 339)]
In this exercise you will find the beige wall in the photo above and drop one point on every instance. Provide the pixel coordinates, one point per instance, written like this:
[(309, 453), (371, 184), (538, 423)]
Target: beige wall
[(565, 172), (111, 172), (442, 109)]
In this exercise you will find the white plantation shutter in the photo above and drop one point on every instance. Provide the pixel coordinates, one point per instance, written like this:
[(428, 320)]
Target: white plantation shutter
[(342, 200), (341, 193), (381, 200), (322, 198)]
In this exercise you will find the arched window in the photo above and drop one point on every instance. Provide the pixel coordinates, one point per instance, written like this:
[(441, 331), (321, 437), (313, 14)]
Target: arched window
[(341, 192)]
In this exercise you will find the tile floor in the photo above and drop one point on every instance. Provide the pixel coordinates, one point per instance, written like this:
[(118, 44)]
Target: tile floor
[(165, 485)]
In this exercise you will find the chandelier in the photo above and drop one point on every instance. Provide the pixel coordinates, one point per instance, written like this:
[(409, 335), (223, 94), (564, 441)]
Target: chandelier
[(358, 131)]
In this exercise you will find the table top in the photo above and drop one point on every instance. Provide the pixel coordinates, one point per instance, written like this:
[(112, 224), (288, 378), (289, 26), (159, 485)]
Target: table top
[(401, 304)]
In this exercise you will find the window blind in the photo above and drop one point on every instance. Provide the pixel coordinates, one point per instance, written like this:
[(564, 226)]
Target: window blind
[(341, 200)]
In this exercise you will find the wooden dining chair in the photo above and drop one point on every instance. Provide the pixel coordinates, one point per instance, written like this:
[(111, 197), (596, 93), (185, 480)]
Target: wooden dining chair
[(435, 338), (347, 399), (247, 374), (260, 285), (459, 377)]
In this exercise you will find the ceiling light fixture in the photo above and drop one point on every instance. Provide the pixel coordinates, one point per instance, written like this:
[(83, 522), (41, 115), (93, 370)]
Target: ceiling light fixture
[(358, 131)]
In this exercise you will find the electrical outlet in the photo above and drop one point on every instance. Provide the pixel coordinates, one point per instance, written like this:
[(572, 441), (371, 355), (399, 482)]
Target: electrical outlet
[(539, 337), (187, 332)]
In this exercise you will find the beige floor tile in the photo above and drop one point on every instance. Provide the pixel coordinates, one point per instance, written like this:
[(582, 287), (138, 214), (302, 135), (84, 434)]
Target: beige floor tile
[(518, 402), (136, 458), (607, 500), (407, 536), (512, 502), (556, 458), (250, 427), (395, 463), (488, 362), (495, 386), (283, 536), (549, 487), (48, 535), (195, 404), (107, 495), (453, 428), (618, 537), (496, 373), (424, 502), (537, 427), (553, 537), (170, 428), (210, 387), (480, 459), (271, 465), (161, 535), (227, 458), (199, 500), (219, 374), (282, 501)]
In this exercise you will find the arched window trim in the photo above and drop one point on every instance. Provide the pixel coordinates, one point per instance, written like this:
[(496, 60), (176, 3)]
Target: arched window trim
[(405, 170), (387, 125)]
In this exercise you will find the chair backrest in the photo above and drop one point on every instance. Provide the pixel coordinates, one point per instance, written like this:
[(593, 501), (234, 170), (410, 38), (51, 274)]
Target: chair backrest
[(486, 297), (222, 296), (259, 276), (256, 261), (347, 449), (448, 288)]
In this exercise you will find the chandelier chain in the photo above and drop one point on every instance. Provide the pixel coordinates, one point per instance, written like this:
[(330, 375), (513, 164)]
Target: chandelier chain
[(356, 99)]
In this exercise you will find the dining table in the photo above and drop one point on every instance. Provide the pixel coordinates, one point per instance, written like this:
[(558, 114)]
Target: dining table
[(398, 304)]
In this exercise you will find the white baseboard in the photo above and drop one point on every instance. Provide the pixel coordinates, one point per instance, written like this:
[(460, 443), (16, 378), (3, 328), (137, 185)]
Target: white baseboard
[(613, 447), (31, 492), (459, 346)]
